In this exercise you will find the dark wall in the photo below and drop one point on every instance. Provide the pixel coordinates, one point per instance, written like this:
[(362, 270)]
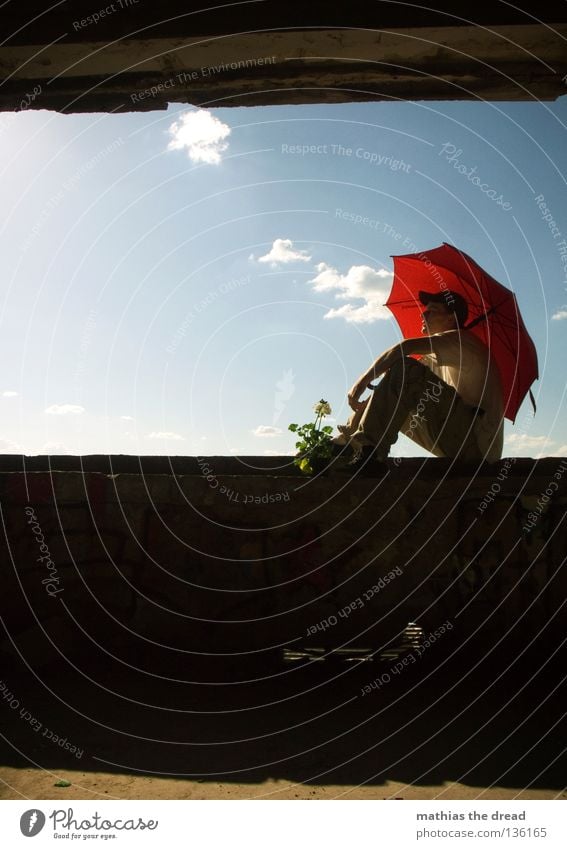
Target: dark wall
[(221, 557)]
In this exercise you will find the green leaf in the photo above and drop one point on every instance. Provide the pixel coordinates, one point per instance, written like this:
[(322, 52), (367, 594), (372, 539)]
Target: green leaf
[(292, 427), (305, 466)]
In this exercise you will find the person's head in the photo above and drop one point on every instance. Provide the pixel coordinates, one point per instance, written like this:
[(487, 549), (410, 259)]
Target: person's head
[(443, 311)]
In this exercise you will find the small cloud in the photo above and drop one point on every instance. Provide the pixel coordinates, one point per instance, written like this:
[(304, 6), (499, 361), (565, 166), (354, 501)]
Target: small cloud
[(203, 438), (282, 252), (164, 434), (9, 447), (523, 442), (65, 410), (561, 314), (266, 430), (127, 418), (9, 394), (561, 452), (525, 439), (269, 453), (201, 135), (361, 282), (366, 314), (54, 448)]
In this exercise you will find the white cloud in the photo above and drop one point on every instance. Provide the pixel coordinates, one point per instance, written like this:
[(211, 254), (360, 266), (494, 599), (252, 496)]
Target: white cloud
[(361, 282), (9, 447), (282, 251), (127, 418), (266, 430), (366, 314), (164, 434), (65, 410), (525, 439), (522, 441), (54, 448), (201, 135), (9, 394), (561, 452), (560, 315)]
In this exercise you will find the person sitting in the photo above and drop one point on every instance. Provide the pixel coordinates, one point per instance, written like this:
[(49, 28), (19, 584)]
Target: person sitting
[(449, 402)]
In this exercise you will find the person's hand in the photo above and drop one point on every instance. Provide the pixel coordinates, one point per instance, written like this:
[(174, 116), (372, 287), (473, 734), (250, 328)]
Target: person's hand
[(355, 393)]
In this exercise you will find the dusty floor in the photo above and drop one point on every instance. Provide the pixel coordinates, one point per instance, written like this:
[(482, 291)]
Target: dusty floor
[(36, 784), (438, 730)]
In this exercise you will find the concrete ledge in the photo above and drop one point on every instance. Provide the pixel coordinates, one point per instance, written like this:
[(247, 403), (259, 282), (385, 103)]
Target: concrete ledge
[(142, 57), (249, 465), (240, 559)]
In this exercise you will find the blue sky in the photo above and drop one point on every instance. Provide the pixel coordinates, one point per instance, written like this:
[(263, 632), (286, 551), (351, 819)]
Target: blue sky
[(190, 282)]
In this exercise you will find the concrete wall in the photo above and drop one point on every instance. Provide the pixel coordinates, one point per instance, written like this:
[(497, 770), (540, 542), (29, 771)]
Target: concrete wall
[(228, 555)]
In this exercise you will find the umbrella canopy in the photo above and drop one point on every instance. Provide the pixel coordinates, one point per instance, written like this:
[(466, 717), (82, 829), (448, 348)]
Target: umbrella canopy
[(494, 315)]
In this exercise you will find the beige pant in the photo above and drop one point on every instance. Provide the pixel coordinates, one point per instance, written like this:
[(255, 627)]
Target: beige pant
[(411, 399)]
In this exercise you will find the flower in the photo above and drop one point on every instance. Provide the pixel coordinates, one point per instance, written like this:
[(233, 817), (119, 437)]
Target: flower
[(314, 443), (323, 408)]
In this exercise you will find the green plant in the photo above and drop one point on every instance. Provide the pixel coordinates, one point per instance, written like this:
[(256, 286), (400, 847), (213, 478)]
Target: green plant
[(314, 444)]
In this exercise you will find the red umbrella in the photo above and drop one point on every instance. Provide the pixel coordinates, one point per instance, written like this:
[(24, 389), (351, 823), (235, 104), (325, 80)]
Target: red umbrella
[(493, 313)]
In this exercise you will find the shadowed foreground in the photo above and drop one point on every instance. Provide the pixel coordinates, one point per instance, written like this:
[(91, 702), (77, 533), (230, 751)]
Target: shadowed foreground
[(437, 729)]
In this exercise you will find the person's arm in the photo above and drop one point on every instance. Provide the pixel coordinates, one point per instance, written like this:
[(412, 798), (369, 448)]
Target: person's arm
[(420, 345)]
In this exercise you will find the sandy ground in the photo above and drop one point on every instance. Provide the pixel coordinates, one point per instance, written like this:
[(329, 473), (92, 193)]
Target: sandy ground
[(437, 731), (37, 784)]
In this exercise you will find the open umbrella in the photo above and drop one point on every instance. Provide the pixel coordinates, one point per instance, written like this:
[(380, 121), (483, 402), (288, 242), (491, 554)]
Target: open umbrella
[(494, 315)]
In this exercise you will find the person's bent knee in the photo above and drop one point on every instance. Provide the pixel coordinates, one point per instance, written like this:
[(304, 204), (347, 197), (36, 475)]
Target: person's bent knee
[(400, 370)]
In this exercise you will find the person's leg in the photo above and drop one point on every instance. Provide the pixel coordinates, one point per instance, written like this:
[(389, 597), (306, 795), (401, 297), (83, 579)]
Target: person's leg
[(409, 391), (389, 406), (346, 431), (451, 426)]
